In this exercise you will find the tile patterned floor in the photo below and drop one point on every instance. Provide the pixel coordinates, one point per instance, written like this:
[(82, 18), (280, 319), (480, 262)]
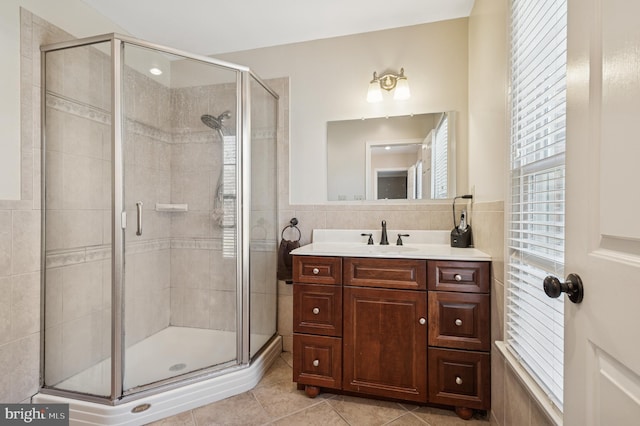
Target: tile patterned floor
[(276, 401)]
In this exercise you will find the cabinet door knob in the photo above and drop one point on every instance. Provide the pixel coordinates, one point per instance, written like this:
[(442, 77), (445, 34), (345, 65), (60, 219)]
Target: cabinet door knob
[(315, 271), (458, 322), (457, 277), (458, 380), (316, 311), (423, 321), (316, 363)]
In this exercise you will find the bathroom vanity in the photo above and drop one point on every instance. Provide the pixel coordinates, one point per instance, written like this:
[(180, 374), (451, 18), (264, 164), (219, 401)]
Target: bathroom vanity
[(408, 323)]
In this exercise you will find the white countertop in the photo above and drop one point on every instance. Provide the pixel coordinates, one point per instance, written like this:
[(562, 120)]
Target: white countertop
[(419, 245)]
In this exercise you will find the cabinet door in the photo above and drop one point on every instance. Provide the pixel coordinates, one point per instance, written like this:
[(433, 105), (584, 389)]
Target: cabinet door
[(466, 277), (385, 343), (402, 274), (459, 320), (316, 360), (460, 378), (317, 309), (317, 270)]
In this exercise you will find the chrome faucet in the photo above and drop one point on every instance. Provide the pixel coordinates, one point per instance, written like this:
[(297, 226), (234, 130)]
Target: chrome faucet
[(383, 240)]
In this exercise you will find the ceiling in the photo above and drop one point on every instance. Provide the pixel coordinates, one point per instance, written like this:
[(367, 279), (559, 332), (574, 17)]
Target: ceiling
[(219, 26)]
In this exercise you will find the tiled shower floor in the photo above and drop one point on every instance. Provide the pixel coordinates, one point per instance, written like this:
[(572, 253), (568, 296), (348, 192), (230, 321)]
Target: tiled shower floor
[(276, 401)]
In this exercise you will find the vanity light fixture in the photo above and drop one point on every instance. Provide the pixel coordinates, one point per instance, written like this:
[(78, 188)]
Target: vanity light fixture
[(389, 82)]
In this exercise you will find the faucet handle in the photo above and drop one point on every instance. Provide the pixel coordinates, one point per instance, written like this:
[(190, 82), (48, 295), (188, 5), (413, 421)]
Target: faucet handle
[(370, 242), (399, 242)]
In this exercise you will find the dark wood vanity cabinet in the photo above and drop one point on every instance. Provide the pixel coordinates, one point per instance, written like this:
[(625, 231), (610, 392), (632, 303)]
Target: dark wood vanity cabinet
[(405, 329)]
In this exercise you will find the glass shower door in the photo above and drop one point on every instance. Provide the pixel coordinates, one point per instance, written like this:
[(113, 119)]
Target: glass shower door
[(76, 211), (264, 233), (180, 286)]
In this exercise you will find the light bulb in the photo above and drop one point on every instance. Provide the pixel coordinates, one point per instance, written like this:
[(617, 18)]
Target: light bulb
[(374, 94), (402, 91)]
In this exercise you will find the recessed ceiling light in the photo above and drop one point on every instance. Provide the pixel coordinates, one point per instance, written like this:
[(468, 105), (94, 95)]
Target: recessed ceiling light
[(155, 71), (387, 148)]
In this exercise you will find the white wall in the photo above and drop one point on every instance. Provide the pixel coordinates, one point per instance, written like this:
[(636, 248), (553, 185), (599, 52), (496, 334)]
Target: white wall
[(75, 17), (488, 76), (329, 79)]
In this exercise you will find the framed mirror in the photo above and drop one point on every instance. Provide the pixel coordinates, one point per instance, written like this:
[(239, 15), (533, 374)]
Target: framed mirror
[(408, 157)]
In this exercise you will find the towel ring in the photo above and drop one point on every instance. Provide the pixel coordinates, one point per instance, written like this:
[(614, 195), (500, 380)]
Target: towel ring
[(292, 224)]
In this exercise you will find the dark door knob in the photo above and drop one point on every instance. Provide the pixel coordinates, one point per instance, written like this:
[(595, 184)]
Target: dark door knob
[(573, 287)]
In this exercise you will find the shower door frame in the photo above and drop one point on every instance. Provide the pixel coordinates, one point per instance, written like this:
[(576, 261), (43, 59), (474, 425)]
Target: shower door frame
[(119, 220)]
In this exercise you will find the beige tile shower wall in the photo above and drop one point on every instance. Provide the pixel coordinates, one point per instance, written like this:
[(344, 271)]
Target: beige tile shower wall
[(78, 200), (78, 315), (147, 164), (203, 276), (79, 183)]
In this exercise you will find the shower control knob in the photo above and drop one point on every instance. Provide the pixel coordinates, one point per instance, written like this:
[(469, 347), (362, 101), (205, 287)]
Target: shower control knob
[(457, 277), (316, 311), (316, 363), (458, 380), (315, 271), (458, 322), (422, 321)]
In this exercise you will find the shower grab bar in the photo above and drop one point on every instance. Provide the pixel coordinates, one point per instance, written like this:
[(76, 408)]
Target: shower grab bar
[(139, 207)]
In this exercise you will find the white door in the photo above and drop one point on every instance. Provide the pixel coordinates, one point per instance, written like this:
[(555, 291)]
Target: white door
[(602, 334)]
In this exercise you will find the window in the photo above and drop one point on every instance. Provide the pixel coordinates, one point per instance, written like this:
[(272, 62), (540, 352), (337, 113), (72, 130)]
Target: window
[(535, 323)]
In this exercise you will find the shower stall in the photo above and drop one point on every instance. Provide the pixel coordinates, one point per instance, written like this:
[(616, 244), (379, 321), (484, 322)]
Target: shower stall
[(159, 228)]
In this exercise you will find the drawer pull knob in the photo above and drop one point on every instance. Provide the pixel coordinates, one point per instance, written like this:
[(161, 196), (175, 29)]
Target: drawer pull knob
[(458, 380), (316, 311), (317, 363), (458, 322), (423, 321), (316, 271), (458, 277)]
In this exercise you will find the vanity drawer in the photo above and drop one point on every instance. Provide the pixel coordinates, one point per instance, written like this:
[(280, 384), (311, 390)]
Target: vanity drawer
[(317, 360), (318, 309), (460, 378), (459, 320), (317, 269), (467, 277), (385, 273)]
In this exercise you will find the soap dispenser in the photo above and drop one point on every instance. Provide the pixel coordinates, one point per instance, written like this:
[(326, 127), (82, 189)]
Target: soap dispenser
[(461, 233)]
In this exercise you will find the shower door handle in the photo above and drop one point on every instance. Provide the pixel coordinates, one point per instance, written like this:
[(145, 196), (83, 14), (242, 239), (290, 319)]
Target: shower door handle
[(139, 215)]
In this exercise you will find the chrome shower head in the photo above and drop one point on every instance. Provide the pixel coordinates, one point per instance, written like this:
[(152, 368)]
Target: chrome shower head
[(216, 122), (210, 121)]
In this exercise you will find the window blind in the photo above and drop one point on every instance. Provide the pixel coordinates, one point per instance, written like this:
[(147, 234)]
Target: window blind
[(228, 222), (535, 322), (439, 148)]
